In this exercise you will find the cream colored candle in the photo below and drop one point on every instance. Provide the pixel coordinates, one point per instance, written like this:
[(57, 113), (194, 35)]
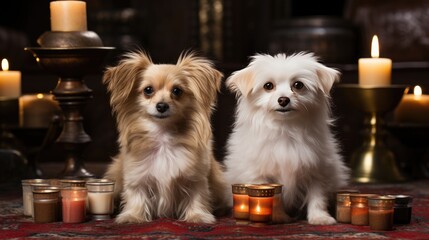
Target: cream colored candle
[(37, 110), (413, 108), (375, 71), (100, 202), (68, 16), (10, 81)]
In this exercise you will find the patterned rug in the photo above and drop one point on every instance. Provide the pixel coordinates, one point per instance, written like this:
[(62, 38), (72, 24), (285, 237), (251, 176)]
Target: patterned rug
[(13, 225)]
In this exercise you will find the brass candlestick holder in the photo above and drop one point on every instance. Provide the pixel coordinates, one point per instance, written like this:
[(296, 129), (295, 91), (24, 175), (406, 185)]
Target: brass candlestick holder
[(71, 56), (374, 161)]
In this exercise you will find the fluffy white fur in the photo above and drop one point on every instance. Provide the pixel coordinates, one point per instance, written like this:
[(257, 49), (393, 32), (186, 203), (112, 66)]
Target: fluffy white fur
[(282, 135), (165, 167)]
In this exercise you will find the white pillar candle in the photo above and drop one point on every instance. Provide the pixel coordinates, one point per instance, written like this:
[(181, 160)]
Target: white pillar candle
[(68, 16), (413, 108), (10, 81), (100, 203), (37, 110), (375, 71)]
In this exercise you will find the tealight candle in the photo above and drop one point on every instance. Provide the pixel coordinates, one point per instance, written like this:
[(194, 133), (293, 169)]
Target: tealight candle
[(413, 108), (100, 198), (375, 71), (74, 204), (359, 209), (260, 203), (381, 212), (10, 81), (240, 209), (37, 110), (67, 16)]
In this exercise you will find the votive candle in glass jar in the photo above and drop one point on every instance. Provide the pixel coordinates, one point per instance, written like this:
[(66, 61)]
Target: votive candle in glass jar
[(260, 203), (343, 208), (402, 209), (100, 198), (359, 209), (57, 188), (381, 212), (240, 197), (27, 194), (45, 205), (278, 208), (74, 204)]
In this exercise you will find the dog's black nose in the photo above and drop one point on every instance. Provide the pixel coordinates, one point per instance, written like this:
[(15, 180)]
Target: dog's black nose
[(283, 101), (162, 107)]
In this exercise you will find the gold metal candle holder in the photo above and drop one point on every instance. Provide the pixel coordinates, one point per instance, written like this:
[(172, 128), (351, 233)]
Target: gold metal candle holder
[(374, 161)]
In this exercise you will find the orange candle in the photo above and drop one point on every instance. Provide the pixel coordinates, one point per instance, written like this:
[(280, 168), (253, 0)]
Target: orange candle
[(74, 204), (413, 108), (359, 209), (375, 71), (260, 203), (240, 202), (10, 81), (67, 16)]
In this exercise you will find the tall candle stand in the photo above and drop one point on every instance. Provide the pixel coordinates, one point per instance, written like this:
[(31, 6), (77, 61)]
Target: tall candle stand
[(71, 56), (373, 161)]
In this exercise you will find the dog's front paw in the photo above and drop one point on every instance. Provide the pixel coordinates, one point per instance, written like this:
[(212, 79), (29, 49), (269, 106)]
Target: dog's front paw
[(130, 218), (198, 217), (321, 220)]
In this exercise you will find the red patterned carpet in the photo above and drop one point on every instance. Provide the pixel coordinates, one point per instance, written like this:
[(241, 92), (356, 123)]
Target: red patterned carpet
[(13, 225)]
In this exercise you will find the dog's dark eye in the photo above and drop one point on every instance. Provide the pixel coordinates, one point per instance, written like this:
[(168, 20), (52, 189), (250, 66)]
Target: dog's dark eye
[(268, 86), (177, 91), (148, 91), (298, 85)]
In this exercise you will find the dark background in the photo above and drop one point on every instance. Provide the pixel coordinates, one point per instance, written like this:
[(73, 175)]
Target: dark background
[(228, 32)]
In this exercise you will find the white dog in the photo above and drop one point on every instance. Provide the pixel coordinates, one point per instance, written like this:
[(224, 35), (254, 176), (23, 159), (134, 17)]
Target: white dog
[(282, 132), (165, 167)]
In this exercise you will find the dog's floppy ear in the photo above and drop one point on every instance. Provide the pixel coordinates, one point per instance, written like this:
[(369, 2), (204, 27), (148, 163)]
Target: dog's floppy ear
[(120, 79), (206, 79), (327, 77), (241, 82)]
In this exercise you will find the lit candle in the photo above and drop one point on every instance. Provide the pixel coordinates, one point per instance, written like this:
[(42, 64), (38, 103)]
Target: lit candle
[(240, 202), (375, 71), (260, 203), (10, 81), (413, 108), (381, 212), (37, 110), (100, 198), (67, 16), (74, 204), (359, 209)]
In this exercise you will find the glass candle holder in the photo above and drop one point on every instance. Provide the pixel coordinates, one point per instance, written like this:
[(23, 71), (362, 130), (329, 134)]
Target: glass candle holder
[(402, 209), (45, 205), (100, 198), (381, 212), (73, 183), (343, 208), (50, 187), (359, 209), (27, 194), (277, 200), (240, 197), (74, 204), (260, 203)]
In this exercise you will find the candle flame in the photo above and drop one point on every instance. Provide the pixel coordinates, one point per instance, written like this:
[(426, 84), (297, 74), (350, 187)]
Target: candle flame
[(417, 91), (39, 95), (375, 52), (4, 64), (258, 209)]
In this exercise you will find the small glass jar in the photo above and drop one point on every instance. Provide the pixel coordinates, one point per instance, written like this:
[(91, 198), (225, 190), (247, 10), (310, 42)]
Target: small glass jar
[(277, 200), (45, 205), (343, 208), (100, 198), (73, 183), (27, 194), (402, 209), (381, 213), (240, 197), (74, 204), (359, 209), (260, 203)]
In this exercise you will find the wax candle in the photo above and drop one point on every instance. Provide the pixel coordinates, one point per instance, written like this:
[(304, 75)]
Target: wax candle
[(260, 203), (27, 194), (343, 210), (413, 108), (10, 81), (37, 110), (359, 209), (375, 71), (381, 212), (278, 209), (45, 204), (100, 198), (67, 16), (240, 209), (74, 204)]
